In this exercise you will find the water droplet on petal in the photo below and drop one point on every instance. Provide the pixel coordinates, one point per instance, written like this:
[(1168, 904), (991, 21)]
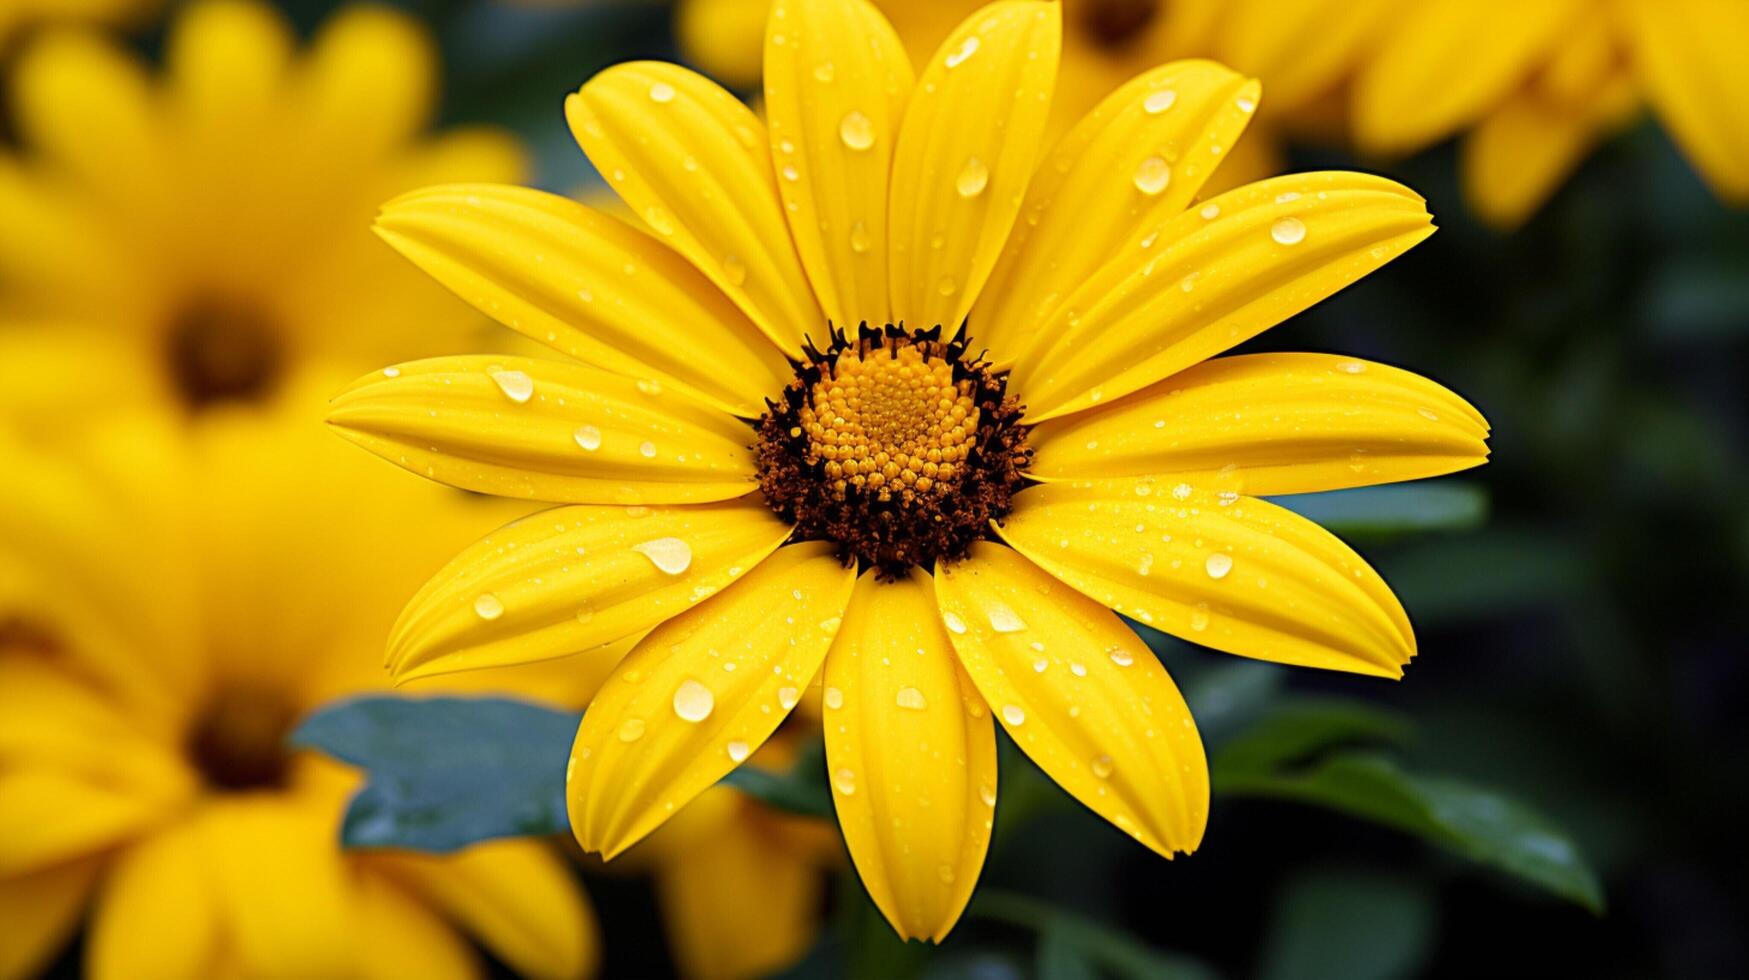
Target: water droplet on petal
[(1245, 105), (954, 622), (844, 781), (391, 372), (967, 48), (1102, 766), (693, 701), (516, 385), (631, 730), (856, 130), (973, 178), (860, 241), (588, 436), (987, 793), (1288, 231), (1218, 565), (734, 271), (738, 751), (1152, 176), (662, 92), (647, 450), (585, 613), (1210, 211), (1005, 620), (1012, 714), (911, 699), (1122, 657), (788, 696), (1160, 101), (1199, 617), (488, 606), (671, 555), (834, 698)]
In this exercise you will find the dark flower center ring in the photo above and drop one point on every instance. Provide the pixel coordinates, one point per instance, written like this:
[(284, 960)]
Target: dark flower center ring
[(895, 445)]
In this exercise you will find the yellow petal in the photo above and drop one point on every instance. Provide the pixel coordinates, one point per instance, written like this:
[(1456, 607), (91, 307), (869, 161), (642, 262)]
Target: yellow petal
[(89, 108), (1689, 56), (1212, 277), (1080, 694), (515, 896), (226, 59), (1441, 64), (1302, 48), (158, 910), (741, 902), (1137, 159), (700, 693), (912, 756), (1514, 159), (367, 85), (40, 911), (1269, 424), (836, 82), (694, 164), (967, 148), (722, 37), (1230, 572), (407, 939), (574, 578), (587, 285), (282, 886), (48, 816), (546, 430)]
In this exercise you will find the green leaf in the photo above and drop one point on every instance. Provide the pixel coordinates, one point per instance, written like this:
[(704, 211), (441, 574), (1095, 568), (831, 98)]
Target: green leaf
[(1358, 925), (1386, 511), (443, 773), (801, 790), (1229, 694), (1296, 730), (1479, 824), (1064, 933)]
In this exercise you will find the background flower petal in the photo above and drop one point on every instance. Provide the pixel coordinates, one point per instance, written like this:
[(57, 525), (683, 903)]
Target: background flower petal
[(158, 910), (1689, 56)]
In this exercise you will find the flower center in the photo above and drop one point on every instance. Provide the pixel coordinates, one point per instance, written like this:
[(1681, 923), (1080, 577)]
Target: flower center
[(1115, 23), (220, 349), (238, 742), (895, 445)]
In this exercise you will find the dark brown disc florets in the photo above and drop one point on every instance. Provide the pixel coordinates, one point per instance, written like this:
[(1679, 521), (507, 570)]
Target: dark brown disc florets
[(895, 445)]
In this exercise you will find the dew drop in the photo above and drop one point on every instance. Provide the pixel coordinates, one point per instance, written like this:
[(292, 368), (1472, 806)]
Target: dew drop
[(973, 178), (1005, 620), (787, 697), (1199, 617), (844, 781), (588, 436), (1210, 211), (647, 450), (987, 793), (1012, 714), (1288, 231), (1218, 565), (693, 701), (488, 606), (391, 372), (856, 131), (734, 270), (631, 729), (738, 751), (1245, 105), (662, 92), (967, 48), (860, 241), (1102, 766), (1160, 101), (1122, 657), (671, 555), (1152, 176), (954, 622), (946, 286), (823, 72), (911, 699), (585, 613), (1428, 414), (516, 385), (834, 698)]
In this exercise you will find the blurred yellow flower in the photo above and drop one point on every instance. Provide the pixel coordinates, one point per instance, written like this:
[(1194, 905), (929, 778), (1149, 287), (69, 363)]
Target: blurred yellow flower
[(168, 611), (1098, 461), (209, 227), (16, 15), (1538, 84)]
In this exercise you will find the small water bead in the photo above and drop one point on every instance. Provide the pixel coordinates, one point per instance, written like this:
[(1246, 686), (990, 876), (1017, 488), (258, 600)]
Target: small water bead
[(1005, 620), (947, 286), (647, 450), (693, 701), (1122, 657), (1152, 176), (659, 220), (1077, 668), (954, 622), (946, 874), (516, 385), (1160, 101), (738, 751), (588, 436), (650, 386), (1210, 211), (671, 555), (1041, 665), (788, 697), (1351, 367), (1288, 231), (844, 781), (1102, 766), (911, 699), (860, 240), (488, 606), (967, 48), (1013, 715), (662, 92), (631, 729), (987, 793), (834, 698), (1199, 617), (585, 613), (1428, 414), (1287, 197), (856, 131), (734, 270), (823, 72), (1245, 105), (391, 372), (1218, 565), (973, 178)]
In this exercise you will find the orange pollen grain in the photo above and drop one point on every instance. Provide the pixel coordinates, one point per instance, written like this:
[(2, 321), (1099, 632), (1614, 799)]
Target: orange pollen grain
[(890, 422)]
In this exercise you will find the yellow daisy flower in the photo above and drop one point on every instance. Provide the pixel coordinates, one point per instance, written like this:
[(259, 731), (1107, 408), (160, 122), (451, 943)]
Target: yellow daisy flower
[(1537, 85), (143, 699), (209, 225), (887, 399)]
